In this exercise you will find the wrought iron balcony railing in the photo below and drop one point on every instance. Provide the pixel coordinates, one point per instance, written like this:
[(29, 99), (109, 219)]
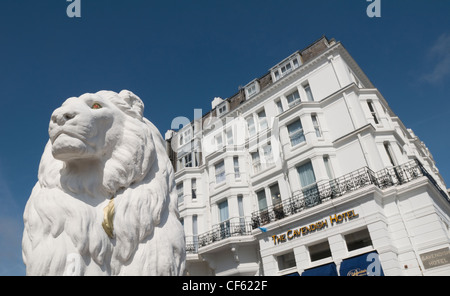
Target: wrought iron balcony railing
[(326, 190), (239, 226), (314, 195)]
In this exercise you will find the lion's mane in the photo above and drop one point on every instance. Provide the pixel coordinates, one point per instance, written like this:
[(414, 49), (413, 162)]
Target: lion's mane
[(63, 231)]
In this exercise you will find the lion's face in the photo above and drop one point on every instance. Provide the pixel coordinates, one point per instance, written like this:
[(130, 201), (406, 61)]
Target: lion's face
[(84, 128)]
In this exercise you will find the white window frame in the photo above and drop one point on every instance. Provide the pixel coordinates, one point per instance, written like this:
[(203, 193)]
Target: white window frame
[(252, 89), (316, 124), (261, 199), (194, 188), (297, 134), (185, 136), (251, 127), (279, 106), (295, 100), (219, 171), (228, 132), (187, 160), (373, 112), (328, 167), (262, 120), (286, 66), (180, 192), (308, 92), (275, 199), (237, 173), (267, 155), (222, 108), (256, 162)]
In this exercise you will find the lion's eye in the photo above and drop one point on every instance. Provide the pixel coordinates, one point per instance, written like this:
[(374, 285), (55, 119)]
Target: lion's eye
[(96, 106)]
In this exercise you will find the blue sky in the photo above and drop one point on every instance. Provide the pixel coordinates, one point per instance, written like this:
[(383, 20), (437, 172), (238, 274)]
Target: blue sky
[(179, 55)]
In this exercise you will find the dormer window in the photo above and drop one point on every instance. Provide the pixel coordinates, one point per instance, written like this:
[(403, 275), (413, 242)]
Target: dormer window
[(222, 108), (252, 89), (286, 66)]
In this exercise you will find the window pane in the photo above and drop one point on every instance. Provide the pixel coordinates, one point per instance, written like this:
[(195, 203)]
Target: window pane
[(220, 172), (293, 99), (197, 158), (372, 111), (268, 156), (195, 231), (387, 147), (256, 162), (194, 188), (286, 261), (280, 107), (251, 126), (275, 193), (308, 93), (251, 90), (306, 174), (230, 137), (316, 125), (327, 163), (188, 160), (223, 211), (180, 193), (319, 251), (241, 206), (194, 225), (309, 187), (357, 240), (262, 120), (237, 174), (296, 133), (262, 202)]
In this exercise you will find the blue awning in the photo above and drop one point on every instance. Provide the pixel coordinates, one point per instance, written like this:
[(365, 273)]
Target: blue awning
[(323, 270), (363, 265), (292, 274)]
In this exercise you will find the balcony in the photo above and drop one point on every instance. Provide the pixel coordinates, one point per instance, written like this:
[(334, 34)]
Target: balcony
[(324, 191), (234, 227), (319, 193)]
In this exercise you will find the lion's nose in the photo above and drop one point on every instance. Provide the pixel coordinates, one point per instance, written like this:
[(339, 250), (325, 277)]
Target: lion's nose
[(61, 116)]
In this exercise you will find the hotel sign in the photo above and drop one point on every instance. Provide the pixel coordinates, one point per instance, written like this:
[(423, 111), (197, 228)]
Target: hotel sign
[(319, 225), (436, 258)]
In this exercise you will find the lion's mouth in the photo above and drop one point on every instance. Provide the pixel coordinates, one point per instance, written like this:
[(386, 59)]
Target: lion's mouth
[(56, 135)]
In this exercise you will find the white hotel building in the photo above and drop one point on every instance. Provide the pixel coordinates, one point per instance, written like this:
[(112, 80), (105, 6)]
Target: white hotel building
[(307, 171)]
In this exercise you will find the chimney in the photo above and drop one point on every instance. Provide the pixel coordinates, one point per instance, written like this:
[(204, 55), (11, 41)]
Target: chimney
[(215, 102)]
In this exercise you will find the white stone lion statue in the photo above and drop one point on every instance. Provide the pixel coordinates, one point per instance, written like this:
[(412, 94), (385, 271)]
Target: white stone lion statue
[(105, 202)]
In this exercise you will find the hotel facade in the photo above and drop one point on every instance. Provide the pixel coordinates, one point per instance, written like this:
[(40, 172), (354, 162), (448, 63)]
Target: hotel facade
[(307, 171)]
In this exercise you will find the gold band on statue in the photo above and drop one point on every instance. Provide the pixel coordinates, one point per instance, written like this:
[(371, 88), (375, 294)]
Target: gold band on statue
[(108, 216)]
